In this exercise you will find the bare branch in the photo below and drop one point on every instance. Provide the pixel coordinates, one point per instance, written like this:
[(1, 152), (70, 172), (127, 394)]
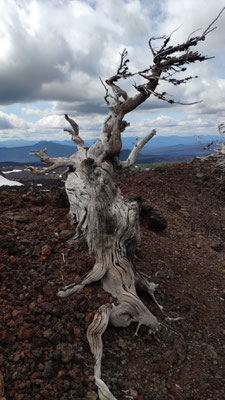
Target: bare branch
[(136, 149), (49, 169), (219, 151), (221, 132), (107, 92), (123, 62), (205, 146), (161, 96), (208, 30), (156, 38), (54, 162), (118, 92), (190, 35), (75, 133)]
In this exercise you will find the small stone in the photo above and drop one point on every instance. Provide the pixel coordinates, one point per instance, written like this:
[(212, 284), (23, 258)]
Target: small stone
[(46, 250), (217, 245), (67, 352), (15, 313), (210, 352), (1, 385), (47, 333), (23, 333), (134, 393), (154, 218), (36, 251), (16, 356), (32, 306), (20, 218), (181, 351), (91, 396), (47, 307), (74, 372), (40, 367), (35, 375), (57, 355), (200, 175), (66, 385), (48, 371), (60, 374), (80, 390), (77, 332), (171, 356), (65, 234)]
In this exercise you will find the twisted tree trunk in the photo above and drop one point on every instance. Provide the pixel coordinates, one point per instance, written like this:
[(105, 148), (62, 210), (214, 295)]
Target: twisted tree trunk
[(108, 222), (110, 225)]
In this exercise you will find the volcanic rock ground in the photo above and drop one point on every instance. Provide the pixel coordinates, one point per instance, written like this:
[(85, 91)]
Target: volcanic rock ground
[(44, 353)]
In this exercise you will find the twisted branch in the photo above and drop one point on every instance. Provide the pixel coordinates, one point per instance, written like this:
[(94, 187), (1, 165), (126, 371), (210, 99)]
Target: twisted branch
[(221, 132), (136, 149), (75, 133), (54, 162)]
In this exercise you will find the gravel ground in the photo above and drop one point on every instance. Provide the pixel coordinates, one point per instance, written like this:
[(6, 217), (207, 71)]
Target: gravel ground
[(44, 353)]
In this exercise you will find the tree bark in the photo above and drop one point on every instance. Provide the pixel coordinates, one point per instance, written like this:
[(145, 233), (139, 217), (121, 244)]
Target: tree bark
[(110, 225)]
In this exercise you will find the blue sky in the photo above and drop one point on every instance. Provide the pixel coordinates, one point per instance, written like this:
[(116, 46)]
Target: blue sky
[(53, 52)]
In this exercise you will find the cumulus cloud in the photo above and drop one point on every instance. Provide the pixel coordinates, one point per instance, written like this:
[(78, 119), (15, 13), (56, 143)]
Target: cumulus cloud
[(11, 121), (34, 111), (5, 123), (55, 51)]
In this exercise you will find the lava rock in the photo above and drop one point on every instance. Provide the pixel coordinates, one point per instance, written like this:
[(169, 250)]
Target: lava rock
[(217, 245), (154, 218), (49, 370)]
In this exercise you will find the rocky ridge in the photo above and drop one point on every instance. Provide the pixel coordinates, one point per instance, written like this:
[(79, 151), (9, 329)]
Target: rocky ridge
[(44, 353)]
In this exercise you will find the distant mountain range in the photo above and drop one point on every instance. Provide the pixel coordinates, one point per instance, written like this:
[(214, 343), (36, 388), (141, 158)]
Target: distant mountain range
[(128, 142), (158, 149)]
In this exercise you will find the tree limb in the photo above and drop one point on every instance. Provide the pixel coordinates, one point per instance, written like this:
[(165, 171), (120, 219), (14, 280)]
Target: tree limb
[(75, 133), (54, 162), (221, 132), (205, 146), (136, 149)]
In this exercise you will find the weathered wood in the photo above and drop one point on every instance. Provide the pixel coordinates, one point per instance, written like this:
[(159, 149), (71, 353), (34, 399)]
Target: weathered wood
[(218, 152), (108, 222)]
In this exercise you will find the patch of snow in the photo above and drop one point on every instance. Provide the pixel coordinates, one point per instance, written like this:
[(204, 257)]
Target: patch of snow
[(15, 170), (7, 182), (39, 184)]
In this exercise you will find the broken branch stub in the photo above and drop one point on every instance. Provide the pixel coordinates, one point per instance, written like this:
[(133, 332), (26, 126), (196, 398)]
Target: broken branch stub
[(218, 152)]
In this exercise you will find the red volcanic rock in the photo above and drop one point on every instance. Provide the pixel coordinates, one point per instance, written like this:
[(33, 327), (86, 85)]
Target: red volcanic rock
[(46, 250), (44, 353)]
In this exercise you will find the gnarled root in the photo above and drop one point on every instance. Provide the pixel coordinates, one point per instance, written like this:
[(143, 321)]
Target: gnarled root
[(119, 279), (94, 336), (142, 283), (94, 275)]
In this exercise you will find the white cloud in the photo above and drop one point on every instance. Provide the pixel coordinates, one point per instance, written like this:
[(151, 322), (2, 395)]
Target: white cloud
[(35, 111), (13, 121)]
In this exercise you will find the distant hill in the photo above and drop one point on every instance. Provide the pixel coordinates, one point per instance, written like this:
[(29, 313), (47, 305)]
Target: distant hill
[(128, 142), (21, 154), (147, 155), (17, 143)]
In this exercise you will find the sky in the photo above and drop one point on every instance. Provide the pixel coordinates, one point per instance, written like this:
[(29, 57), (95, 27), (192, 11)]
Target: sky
[(54, 51)]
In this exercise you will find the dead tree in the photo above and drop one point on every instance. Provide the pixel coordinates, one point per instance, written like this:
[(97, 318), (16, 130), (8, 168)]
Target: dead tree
[(218, 151), (108, 222)]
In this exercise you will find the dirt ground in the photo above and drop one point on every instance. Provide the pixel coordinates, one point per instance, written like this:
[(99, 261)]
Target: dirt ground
[(44, 353)]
